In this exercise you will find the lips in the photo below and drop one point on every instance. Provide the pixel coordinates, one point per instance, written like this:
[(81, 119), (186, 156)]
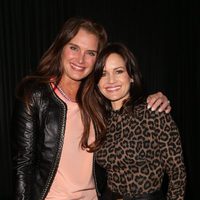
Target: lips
[(77, 67), (112, 89)]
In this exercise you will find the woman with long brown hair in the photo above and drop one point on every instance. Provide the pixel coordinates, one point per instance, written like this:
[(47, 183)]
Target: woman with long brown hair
[(50, 153)]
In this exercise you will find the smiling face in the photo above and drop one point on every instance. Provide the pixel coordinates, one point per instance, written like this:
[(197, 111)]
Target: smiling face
[(115, 81), (79, 55)]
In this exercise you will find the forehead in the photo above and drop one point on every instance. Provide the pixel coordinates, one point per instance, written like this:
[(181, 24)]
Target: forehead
[(114, 60), (85, 40)]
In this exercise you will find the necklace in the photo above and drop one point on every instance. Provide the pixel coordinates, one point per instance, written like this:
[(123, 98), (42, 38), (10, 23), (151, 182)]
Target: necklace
[(64, 95)]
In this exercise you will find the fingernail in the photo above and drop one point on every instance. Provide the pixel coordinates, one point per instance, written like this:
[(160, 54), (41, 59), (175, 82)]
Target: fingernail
[(159, 110), (148, 106), (153, 109)]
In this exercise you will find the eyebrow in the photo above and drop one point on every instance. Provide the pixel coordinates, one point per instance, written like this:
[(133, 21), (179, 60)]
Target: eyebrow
[(70, 43), (120, 67)]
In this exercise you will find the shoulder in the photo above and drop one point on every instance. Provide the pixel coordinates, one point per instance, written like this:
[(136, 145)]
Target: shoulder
[(157, 119), (161, 122), (140, 109), (40, 89), (31, 88), (30, 93)]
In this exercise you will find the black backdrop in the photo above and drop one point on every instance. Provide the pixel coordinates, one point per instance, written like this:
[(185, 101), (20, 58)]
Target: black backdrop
[(164, 36)]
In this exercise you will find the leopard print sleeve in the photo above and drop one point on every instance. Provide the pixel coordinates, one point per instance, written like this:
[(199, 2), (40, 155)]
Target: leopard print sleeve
[(172, 156)]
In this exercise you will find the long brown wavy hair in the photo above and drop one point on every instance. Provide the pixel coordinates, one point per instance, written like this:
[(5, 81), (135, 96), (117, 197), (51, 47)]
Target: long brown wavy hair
[(50, 68), (95, 108)]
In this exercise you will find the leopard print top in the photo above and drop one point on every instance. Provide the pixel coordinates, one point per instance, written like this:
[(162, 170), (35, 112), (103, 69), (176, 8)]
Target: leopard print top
[(141, 146)]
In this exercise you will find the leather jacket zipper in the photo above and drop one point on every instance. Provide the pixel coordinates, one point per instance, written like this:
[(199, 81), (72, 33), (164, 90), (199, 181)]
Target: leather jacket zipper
[(55, 166)]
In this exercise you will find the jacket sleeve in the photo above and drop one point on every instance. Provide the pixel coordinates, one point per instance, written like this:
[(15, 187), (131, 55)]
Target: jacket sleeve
[(23, 137), (172, 155)]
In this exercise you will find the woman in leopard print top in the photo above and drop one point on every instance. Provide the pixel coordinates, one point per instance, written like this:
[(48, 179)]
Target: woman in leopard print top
[(136, 145)]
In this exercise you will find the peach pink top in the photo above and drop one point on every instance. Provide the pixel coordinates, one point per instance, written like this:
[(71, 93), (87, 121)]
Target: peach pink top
[(74, 178)]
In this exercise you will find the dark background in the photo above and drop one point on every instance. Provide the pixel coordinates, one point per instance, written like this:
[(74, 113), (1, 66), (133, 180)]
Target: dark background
[(163, 34)]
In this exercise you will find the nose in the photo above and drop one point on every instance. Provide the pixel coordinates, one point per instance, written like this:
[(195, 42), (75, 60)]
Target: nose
[(81, 57), (111, 78)]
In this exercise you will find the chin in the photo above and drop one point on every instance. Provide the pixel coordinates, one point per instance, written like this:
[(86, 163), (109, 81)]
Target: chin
[(79, 78), (113, 99)]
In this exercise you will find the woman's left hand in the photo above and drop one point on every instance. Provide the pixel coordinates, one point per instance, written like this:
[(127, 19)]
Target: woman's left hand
[(158, 101)]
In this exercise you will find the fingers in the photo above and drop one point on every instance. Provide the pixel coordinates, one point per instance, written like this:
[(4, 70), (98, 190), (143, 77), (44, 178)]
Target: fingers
[(165, 107), (168, 109), (152, 99), (158, 102)]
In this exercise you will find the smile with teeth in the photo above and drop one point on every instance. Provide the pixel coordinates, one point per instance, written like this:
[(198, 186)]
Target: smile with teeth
[(77, 67), (113, 88)]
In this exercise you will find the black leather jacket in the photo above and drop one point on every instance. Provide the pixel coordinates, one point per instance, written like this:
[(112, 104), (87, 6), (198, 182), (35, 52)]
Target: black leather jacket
[(38, 134)]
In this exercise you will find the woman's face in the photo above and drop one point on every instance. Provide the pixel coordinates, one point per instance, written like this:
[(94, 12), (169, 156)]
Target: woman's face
[(115, 81), (79, 55)]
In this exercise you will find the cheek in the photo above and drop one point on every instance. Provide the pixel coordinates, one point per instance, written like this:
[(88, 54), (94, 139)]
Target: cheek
[(67, 54), (100, 86), (128, 86), (126, 81), (91, 61)]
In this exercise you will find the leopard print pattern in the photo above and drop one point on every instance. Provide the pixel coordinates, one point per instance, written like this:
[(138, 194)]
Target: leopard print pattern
[(140, 146)]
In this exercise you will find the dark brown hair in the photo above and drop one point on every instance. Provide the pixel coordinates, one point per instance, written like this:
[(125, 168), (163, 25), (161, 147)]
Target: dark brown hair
[(49, 68), (94, 106)]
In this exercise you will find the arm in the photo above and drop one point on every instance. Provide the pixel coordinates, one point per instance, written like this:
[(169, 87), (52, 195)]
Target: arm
[(172, 156), (22, 150), (158, 101)]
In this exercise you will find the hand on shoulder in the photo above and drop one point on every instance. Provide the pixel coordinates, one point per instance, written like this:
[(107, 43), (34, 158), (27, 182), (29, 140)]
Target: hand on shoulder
[(159, 102)]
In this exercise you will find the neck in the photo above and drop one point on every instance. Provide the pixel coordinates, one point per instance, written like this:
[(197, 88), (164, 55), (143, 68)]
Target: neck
[(70, 88), (116, 105)]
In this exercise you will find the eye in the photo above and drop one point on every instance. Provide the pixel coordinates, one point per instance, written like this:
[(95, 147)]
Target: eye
[(74, 48), (103, 74), (119, 71), (92, 53)]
